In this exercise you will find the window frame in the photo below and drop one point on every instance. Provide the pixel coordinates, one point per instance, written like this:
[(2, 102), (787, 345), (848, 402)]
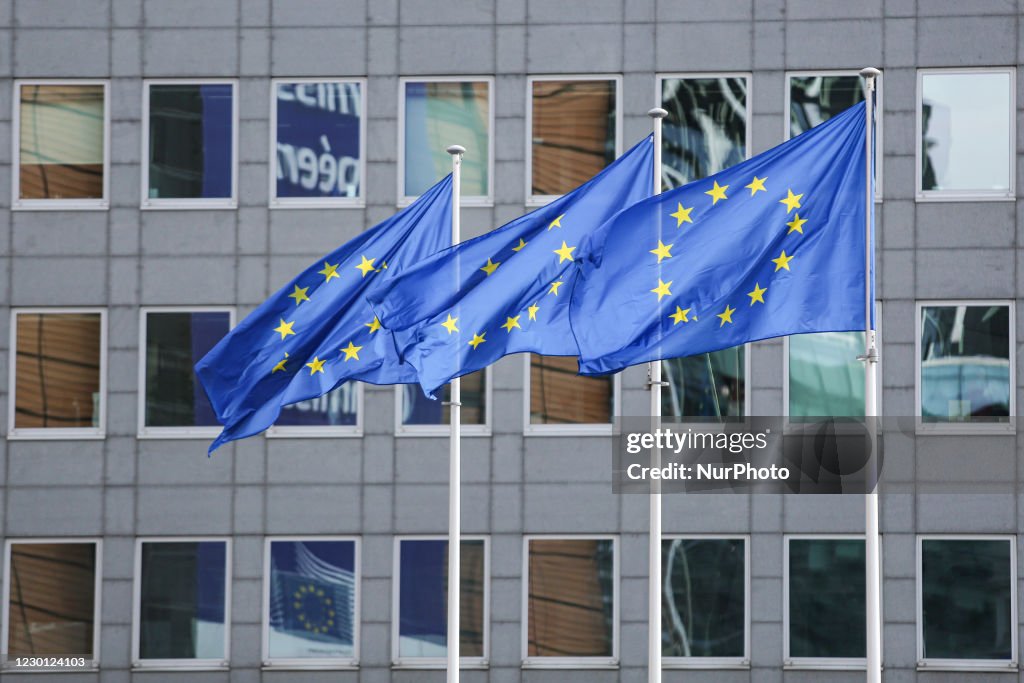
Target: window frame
[(583, 663), (144, 431), (879, 151), (146, 203), (5, 621), (421, 663), (965, 428), (55, 433), (311, 663), (922, 195), (976, 665), (580, 429), (534, 200), (358, 202), (76, 204), (139, 664), (790, 663), (467, 199), (737, 663), (404, 430)]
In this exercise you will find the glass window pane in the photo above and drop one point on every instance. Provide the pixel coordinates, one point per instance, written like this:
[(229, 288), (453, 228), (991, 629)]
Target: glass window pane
[(704, 598), (336, 408), (439, 114), (708, 385), (52, 594), (417, 409), (423, 599), (816, 99), (570, 608), (190, 141), (61, 143), (57, 370), (560, 396), (826, 598), (317, 141), (965, 131), (706, 128), (181, 604), (312, 599), (966, 598), (174, 343), (573, 136), (825, 377), (965, 363)]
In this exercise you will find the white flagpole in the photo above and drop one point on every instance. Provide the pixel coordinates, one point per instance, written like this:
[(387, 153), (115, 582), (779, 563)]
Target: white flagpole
[(455, 464), (873, 585), (654, 541)]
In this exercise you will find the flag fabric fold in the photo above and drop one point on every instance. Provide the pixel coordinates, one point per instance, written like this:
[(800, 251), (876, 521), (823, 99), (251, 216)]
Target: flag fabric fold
[(318, 331), (506, 291), (772, 246)]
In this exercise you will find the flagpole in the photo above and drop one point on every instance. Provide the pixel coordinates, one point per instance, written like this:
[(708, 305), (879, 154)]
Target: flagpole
[(872, 543), (455, 464), (654, 540)]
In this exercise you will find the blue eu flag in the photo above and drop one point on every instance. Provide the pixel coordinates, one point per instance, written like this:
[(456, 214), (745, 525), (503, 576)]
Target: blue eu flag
[(318, 331), (507, 291), (772, 246)]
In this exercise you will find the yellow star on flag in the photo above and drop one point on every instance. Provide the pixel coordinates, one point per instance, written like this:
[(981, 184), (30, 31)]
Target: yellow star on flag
[(532, 311), (680, 316), (557, 223), (449, 324), (510, 323), (756, 185), (315, 366), (554, 287), (383, 267), (280, 365), (329, 271), (490, 267), (682, 215), (519, 246), (726, 316), (717, 192), (351, 351), (374, 325), (284, 329), (663, 251), (782, 261), (662, 290), (366, 265), (758, 294), (477, 340), (565, 253), (797, 224), (299, 294), (792, 201)]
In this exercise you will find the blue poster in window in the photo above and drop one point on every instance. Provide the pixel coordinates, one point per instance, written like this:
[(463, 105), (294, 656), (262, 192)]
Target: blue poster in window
[(318, 132)]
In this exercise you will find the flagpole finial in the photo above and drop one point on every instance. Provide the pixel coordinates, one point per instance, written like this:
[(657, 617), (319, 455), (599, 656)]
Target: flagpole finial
[(870, 72), (456, 149), (657, 113)]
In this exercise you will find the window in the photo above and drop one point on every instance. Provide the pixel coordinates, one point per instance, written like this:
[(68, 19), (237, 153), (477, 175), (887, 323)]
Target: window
[(705, 601), (421, 416), (966, 601), (51, 606), (421, 600), (336, 413), (318, 155), (58, 374), (437, 113), (173, 403), (61, 145), (707, 385), (707, 128), (965, 134), (575, 129), (824, 603), (181, 603), (966, 374), (559, 401), (824, 377), (311, 603), (189, 145), (570, 602)]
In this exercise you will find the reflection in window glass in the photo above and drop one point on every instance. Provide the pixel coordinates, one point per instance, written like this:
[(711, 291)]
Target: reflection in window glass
[(61, 141), (439, 114), (815, 99), (174, 343), (558, 395), (181, 603), (704, 598), (190, 141), (708, 385), (52, 599), (336, 408), (570, 605), (573, 136), (706, 128), (423, 599), (965, 363), (317, 139), (312, 599), (417, 409), (965, 132), (967, 599), (57, 370), (826, 598), (825, 377)]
